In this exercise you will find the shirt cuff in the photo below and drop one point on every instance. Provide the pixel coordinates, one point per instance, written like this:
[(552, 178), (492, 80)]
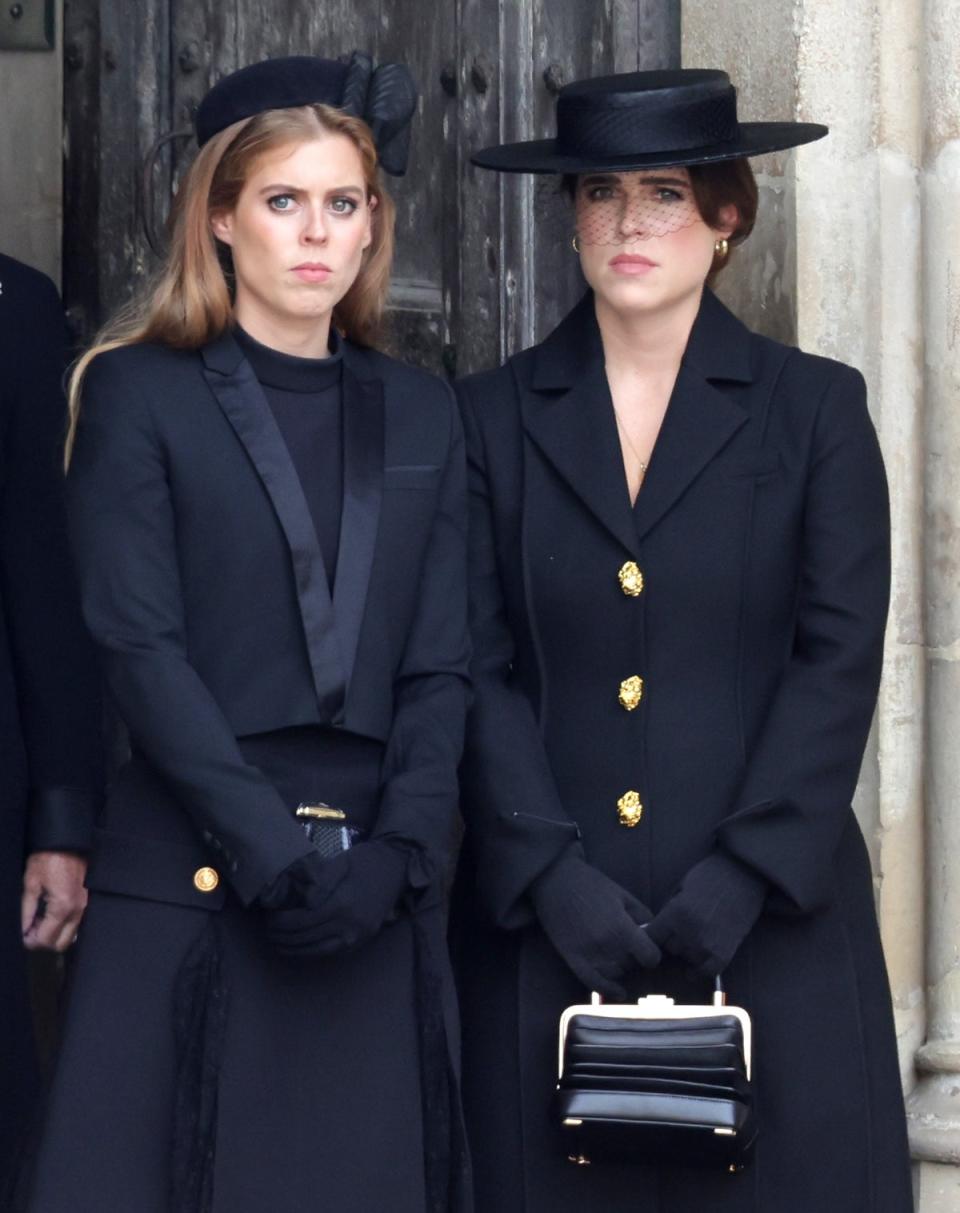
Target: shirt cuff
[(61, 819)]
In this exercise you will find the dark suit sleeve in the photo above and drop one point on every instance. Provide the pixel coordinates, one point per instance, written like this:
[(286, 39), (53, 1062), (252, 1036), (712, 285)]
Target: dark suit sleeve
[(516, 825), (57, 684), (431, 689), (795, 799), (123, 529)]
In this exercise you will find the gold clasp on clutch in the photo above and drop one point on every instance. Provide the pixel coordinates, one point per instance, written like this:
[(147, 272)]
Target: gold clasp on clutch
[(322, 811)]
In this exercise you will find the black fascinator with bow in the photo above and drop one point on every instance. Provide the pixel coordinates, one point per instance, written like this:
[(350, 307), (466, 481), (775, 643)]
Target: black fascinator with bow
[(385, 97)]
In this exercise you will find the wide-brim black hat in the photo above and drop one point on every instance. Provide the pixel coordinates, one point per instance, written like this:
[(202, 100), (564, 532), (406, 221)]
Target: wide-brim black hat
[(640, 120)]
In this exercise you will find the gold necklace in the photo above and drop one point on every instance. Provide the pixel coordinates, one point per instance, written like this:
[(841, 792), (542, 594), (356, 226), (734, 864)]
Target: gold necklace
[(641, 464)]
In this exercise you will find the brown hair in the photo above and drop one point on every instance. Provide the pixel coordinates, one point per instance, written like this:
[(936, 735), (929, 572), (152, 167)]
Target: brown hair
[(725, 183), (190, 300)]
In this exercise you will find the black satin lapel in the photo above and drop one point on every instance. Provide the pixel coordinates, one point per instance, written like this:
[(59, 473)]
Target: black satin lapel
[(699, 422), (363, 454), (577, 432), (242, 400)]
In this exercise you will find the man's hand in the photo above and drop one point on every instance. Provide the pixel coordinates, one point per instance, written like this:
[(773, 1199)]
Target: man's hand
[(54, 899)]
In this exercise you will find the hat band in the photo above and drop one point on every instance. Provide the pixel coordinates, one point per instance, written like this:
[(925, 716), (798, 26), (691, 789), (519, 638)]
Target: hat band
[(629, 128)]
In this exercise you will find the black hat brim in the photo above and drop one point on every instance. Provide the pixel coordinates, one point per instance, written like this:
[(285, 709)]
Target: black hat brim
[(541, 155)]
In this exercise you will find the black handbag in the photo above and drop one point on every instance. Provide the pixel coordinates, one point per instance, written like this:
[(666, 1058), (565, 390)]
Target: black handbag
[(327, 828), (656, 1081)]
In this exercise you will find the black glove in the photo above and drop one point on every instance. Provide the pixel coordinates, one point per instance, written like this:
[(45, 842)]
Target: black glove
[(594, 923), (322, 906), (708, 917)]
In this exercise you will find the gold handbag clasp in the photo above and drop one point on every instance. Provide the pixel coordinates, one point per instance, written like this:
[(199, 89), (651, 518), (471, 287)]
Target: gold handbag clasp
[(322, 812)]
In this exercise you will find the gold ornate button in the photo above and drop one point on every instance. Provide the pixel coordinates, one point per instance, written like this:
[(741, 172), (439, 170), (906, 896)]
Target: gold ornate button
[(631, 579), (629, 809), (631, 692), (205, 880)]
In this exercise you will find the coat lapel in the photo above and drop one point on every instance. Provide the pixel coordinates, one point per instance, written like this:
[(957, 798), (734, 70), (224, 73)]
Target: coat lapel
[(700, 419), (698, 424), (363, 457), (241, 398), (568, 414)]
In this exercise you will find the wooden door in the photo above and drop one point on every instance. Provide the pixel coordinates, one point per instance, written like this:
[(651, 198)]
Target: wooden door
[(477, 273)]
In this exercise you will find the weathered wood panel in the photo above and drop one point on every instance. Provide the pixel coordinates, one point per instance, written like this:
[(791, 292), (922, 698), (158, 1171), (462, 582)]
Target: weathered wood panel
[(572, 42), (658, 34), (479, 218), (646, 34), (422, 36), (116, 98), (81, 165), (519, 273), (134, 107)]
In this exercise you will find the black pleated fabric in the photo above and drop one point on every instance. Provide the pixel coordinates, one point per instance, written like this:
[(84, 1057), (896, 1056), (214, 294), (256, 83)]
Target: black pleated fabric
[(199, 1021)]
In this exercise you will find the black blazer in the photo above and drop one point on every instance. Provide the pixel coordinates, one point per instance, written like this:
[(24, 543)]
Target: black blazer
[(762, 534), (204, 585)]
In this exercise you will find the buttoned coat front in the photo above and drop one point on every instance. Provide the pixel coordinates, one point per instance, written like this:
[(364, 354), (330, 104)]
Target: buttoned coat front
[(747, 591), (203, 584)]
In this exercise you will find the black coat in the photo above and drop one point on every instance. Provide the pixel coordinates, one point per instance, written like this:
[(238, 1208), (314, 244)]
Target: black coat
[(761, 533), (203, 583), (49, 716)]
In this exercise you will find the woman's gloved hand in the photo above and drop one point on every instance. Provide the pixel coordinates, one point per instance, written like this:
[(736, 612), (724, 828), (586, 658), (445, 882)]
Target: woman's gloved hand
[(594, 923), (320, 906), (711, 913)]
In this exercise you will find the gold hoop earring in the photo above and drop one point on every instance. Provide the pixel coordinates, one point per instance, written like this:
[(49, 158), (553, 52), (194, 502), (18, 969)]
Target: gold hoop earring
[(575, 244), (721, 248)]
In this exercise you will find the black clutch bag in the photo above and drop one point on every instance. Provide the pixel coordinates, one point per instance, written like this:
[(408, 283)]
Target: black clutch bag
[(327, 828), (656, 1081)]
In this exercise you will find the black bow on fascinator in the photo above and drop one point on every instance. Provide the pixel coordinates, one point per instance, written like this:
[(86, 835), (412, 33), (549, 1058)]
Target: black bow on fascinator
[(385, 97)]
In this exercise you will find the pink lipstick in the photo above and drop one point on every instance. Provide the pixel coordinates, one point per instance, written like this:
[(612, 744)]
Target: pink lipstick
[(632, 263), (312, 271)]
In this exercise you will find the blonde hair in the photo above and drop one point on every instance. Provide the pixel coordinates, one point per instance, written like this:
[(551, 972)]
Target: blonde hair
[(190, 302)]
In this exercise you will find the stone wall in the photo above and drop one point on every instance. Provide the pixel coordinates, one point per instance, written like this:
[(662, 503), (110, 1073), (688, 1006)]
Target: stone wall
[(31, 154), (860, 258)]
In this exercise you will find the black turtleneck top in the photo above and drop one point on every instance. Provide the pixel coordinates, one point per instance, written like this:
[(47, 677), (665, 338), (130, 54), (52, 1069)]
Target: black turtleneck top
[(306, 398)]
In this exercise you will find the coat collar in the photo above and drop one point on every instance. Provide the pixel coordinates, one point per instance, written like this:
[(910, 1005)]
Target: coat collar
[(718, 346), (568, 413), (331, 627)]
